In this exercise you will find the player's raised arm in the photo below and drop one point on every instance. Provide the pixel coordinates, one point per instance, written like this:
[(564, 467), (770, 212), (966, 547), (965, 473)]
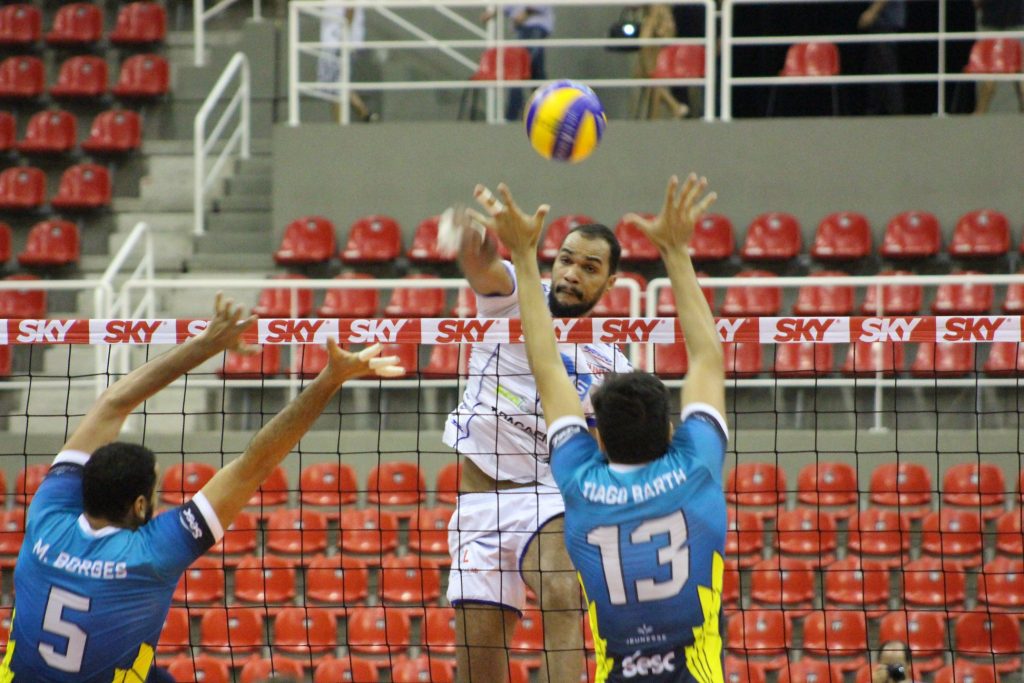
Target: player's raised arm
[(521, 233), (232, 487), (103, 422), (476, 251), (671, 232)]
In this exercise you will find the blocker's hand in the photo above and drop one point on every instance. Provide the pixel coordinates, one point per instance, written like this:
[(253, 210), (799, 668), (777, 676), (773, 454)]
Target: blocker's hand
[(517, 230), (673, 228), (224, 332), (343, 365)]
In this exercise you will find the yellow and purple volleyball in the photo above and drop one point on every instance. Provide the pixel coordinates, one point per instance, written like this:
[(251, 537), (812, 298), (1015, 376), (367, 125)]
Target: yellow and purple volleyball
[(565, 121)]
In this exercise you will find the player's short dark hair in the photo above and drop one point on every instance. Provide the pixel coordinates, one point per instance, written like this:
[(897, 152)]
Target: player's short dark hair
[(632, 409), (115, 476), (597, 231)]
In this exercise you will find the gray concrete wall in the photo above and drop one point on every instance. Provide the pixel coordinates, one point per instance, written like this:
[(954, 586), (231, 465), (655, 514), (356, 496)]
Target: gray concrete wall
[(809, 167)]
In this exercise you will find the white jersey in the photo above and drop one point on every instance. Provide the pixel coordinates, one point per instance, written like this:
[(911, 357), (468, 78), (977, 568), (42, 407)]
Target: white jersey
[(499, 423)]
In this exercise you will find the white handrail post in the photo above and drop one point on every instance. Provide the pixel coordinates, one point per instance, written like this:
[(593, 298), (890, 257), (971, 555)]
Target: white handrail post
[(293, 64), (199, 31), (942, 59), (246, 88), (727, 60), (495, 92), (345, 74), (257, 10), (198, 174), (710, 56)]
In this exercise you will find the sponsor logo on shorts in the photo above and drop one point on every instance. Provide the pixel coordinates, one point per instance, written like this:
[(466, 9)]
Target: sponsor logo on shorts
[(644, 665)]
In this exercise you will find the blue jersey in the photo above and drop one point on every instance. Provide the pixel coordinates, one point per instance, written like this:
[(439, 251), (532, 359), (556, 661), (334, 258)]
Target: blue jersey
[(90, 604), (648, 543)]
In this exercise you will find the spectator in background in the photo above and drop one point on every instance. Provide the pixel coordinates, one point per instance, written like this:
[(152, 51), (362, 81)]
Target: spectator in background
[(529, 22), (892, 665), (998, 15), (328, 67), (657, 22), (883, 16)]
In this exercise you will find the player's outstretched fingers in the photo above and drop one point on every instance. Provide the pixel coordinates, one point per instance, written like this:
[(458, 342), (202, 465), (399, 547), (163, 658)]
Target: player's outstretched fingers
[(670, 194), (704, 204), (487, 200), (387, 366), (638, 220)]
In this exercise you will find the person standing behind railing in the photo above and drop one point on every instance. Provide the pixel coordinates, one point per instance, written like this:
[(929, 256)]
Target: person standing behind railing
[(530, 22), (328, 67), (998, 15), (657, 22), (883, 16)]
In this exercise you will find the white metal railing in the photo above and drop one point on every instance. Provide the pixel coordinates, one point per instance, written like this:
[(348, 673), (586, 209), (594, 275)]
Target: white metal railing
[(465, 51), (941, 37), (139, 244), (200, 15), (238, 140)]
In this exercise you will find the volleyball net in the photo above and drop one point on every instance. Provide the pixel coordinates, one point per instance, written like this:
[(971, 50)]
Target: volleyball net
[(873, 483)]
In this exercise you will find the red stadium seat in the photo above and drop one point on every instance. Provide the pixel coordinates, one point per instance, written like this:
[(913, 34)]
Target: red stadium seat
[(396, 483), (306, 240), (987, 637), (744, 538), (869, 358), (305, 630), (410, 302), (963, 299), (373, 239), (923, 632), (465, 304), (22, 78), (51, 243), (378, 630), (8, 129), (821, 300), (267, 363), (265, 580), (446, 361), (963, 671), (994, 56), (296, 534), (5, 242), (257, 670), (1000, 584), (943, 360), (83, 187), (143, 77), (337, 580), (21, 25), (202, 583), (880, 535), (1014, 301), (12, 535), (408, 357), (757, 484), (1009, 536), (331, 670), (81, 77), (5, 361), (328, 485), (853, 583), (737, 670), (667, 299), (174, 637), (809, 671), (616, 301), (896, 299), (312, 359), (781, 582), (49, 132), (191, 668), (752, 301), (730, 589), (114, 132), (830, 487), (22, 188), (6, 614), (428, 531), (903, 485), (232, 631), (422, 668), (759, 637), (634, 242), (515, 63), (273, 491), (528, 637), (556, 233), (976, 487), (742, 359), (670, 360), (424, 244), (408, 580), (446, 486), (438, 630), (811, 59), (912, 235), (806, 534), (805, 359), (679, 61), (27, 483), (350, 303), (841, 636), (277, 302), (139, 23), (926, 584), (239, 539), (712, 239), (953, 535), (182, 481), (772, 237), (983, 233), (77, 24), (842, 236), (368, 532), (1004, 358)]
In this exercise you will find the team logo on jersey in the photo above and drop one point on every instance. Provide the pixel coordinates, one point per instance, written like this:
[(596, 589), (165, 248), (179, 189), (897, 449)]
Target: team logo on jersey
[(645, 665), (582, 381)]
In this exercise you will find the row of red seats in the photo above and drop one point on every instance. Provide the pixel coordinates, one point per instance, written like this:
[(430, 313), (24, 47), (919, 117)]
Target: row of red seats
[(80, 24), (771, 236), (82, 187), (141, 76), (116, 131), (810, 670)]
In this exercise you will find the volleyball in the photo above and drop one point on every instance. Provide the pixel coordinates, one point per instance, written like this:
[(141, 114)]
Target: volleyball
[(565, 121)]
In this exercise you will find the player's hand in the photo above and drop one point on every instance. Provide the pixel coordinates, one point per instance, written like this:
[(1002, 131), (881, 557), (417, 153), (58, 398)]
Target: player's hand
[(224, 332), (672, 229), (343, 365), (517, 230)]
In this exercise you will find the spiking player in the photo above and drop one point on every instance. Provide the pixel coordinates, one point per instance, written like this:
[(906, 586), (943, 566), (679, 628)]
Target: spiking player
[(96, 571), (645, 516)]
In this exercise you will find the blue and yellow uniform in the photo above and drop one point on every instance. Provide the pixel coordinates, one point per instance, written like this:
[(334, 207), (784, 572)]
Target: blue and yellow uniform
[(648, 542), (90, 604)]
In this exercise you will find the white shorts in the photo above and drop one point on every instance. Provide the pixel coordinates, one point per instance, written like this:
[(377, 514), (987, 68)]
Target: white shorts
[(488, 536)]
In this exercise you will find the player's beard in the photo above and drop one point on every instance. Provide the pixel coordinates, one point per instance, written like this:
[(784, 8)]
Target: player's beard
[(560, 310)]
